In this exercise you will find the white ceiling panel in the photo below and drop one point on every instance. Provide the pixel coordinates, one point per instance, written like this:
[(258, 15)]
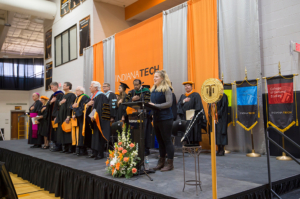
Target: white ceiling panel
[(25, 36)]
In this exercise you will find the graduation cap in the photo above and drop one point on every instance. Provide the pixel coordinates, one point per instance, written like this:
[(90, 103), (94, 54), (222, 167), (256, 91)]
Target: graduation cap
[(124, 86), (189, 82), (146, 86)]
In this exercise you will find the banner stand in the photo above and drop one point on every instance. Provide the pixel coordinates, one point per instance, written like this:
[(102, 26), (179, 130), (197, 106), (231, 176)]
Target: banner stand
[(248, 127), (284, 157)]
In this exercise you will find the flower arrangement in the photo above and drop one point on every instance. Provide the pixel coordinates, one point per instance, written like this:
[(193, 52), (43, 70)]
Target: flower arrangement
[(123, 159)]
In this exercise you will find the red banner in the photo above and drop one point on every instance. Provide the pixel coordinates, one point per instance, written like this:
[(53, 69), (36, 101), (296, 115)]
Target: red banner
[(280, 93)]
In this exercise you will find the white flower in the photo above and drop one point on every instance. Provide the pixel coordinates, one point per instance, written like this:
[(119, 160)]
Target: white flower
[(113, 161)]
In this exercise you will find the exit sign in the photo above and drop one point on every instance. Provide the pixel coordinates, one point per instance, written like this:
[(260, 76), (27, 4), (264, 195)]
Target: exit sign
[(295, 46)]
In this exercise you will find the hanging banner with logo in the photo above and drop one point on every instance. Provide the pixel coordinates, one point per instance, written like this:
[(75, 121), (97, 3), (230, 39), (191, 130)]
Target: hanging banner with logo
[(247, 103), (84, 34), (228, 92), (139, 52), (48, 76), (281, 102), (74, 4), (64, 7), (48, 42)]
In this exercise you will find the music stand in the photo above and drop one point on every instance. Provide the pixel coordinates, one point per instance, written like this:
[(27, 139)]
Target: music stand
[(141, 105)]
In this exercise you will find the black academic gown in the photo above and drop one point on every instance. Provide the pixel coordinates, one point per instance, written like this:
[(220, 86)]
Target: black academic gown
[(149, 133), (52, 112), (194, 103), (43, 122), (121, 110), (102, 121), (174, 106), (79, 114), (112, 98), (64, 111), (40, 139), (221, 126)]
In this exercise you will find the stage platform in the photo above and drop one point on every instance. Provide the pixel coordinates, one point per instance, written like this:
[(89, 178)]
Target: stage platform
[(69, 176)]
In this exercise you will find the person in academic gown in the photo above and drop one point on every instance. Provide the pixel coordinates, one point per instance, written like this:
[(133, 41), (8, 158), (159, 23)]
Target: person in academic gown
[(33, 137), (43, 122), (121, 109), (221, 124), (191, 100), (174, 105), (52, 108), (64, 115), (140, 93), (78, 115), (112, 98), (99, 111)]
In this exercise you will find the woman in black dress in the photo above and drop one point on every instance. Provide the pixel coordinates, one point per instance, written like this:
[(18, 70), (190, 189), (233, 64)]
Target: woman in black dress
[(43, 122)]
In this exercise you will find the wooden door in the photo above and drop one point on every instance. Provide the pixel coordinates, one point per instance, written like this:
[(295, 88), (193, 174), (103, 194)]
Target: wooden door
[(14, 124)]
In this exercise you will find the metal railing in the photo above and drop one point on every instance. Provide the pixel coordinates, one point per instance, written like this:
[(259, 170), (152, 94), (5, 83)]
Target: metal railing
[(280, 147)]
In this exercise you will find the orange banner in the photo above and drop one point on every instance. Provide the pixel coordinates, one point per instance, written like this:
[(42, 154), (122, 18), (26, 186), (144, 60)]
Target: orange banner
[(202, 41), (202, 46), (98, 74), (139, 52)]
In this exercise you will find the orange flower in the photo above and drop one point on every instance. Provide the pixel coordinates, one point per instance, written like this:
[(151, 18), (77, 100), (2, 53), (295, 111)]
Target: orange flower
[(126, 159), (120, 148), (132, 145), (107, 162), (111, 155), (120, 143), (112, 171), (118, 166), (124, 151), (134, 170), (120, 156)]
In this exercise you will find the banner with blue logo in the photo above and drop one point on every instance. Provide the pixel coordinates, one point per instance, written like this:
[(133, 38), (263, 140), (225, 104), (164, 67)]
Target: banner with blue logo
[(247, 103)]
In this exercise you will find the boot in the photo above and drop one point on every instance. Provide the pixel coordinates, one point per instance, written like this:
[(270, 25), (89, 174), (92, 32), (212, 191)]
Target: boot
[(169, 166), (64, 149), (82, 152), (71, 149), (76, 150), (160, 164), (219, 149), (222, 151), (99, 156), (94, 154)]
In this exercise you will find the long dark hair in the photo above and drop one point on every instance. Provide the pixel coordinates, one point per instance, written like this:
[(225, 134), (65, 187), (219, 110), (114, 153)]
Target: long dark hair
[(122, 95)]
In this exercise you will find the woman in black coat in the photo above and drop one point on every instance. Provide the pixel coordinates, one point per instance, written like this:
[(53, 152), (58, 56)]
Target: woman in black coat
[(43, 122)]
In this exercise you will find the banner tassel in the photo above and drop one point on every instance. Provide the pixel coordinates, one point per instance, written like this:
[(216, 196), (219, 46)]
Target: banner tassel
[(267, 114), (297, 123)]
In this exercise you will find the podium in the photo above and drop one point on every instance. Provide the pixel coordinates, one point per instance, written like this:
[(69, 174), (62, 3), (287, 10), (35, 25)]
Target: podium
[(142, 109)]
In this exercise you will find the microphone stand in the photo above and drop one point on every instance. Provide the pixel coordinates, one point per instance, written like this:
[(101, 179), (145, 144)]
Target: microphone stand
[(142, 136)]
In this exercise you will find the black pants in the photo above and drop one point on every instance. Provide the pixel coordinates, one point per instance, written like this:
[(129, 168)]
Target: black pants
[(163, 132)]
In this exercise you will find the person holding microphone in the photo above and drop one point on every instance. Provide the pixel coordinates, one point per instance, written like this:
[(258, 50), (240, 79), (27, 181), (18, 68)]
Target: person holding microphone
[(161, 97)]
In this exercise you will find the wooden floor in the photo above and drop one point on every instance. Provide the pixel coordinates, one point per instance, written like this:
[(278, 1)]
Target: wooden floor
[(26, 190)]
